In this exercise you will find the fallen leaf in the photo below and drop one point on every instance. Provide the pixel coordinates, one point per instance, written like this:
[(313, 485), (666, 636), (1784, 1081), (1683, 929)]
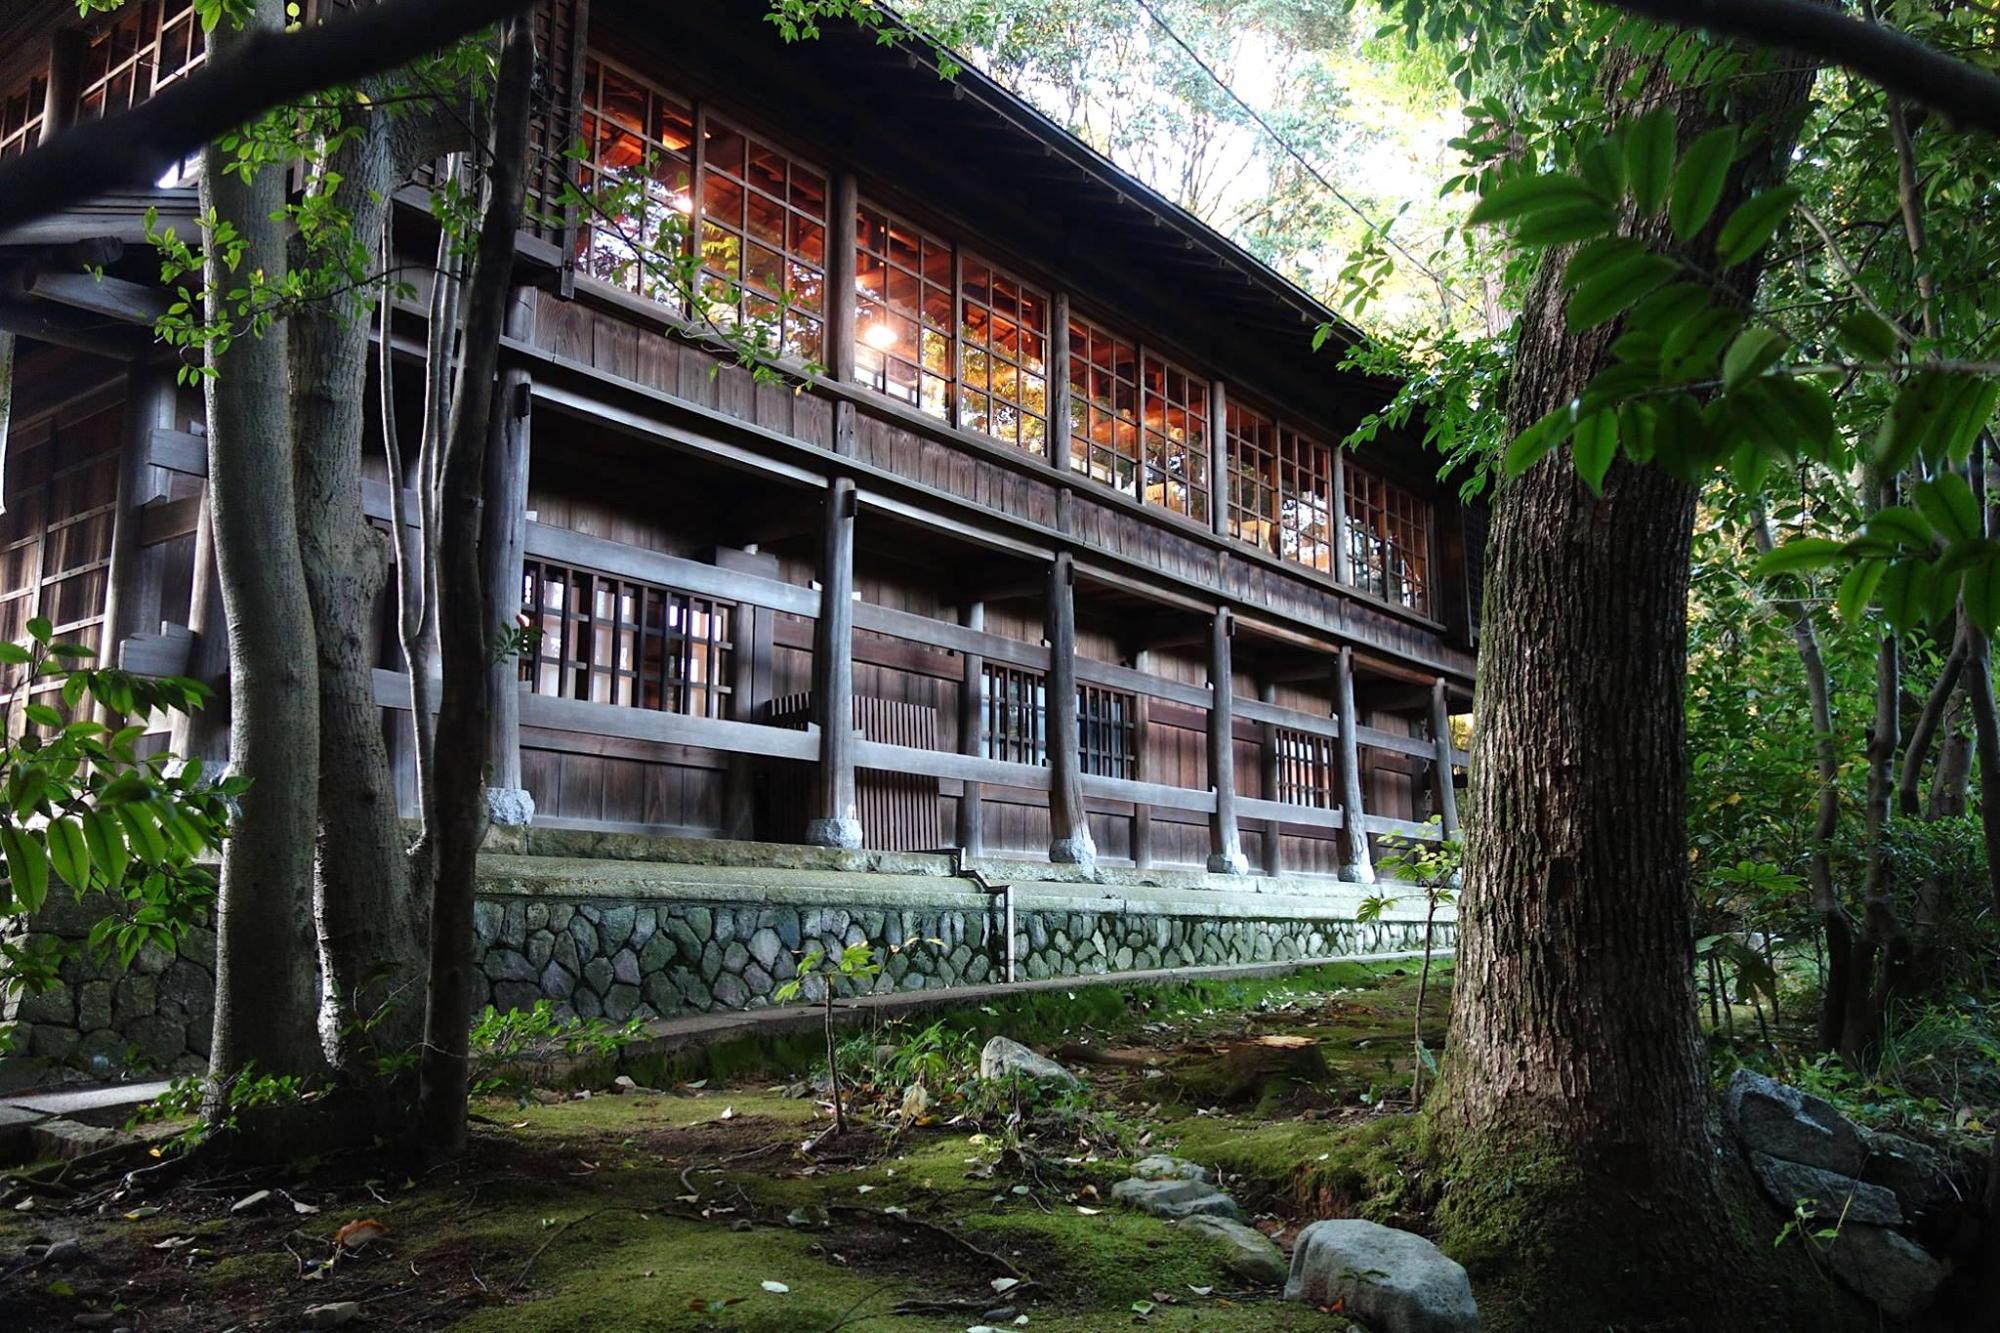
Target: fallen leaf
[(358, 1233), (333, 1314), (728, 1113), (249, 1201), (775, 1288), (1088, 1212), (1201, 1291), (150, 1210), (1003, 1284)]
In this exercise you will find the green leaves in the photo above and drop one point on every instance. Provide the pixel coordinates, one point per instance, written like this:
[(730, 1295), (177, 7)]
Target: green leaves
[(1649, 158), (1753, 224), (1868, 336), (1699, 179), (1937, 414), (1596, 444), (1609, 277), (1547, 210), (1798, 555), (1755, 350)]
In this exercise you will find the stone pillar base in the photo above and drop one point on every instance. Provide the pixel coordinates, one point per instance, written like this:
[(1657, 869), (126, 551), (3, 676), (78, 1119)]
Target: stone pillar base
[(844, 834), (1228, 863), (1358, 874), (1079, 849), (510, 807)]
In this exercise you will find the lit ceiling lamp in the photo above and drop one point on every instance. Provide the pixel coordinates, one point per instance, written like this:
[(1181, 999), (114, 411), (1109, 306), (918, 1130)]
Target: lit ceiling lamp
[(879, 336), (681, 202)]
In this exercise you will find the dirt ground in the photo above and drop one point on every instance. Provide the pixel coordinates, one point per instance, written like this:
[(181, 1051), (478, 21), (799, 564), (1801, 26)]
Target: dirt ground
[(713, 1202)]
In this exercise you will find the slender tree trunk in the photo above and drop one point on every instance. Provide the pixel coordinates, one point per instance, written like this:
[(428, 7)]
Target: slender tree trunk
[(468, 627), (1574, 1107), (1881, 933), (264, 994), (370, 922)]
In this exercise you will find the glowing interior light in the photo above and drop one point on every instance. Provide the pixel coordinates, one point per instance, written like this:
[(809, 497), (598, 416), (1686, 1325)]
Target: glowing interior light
[(879, 336), (681, 203)]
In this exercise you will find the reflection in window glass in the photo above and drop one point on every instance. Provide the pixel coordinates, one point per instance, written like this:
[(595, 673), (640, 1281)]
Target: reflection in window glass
[(902, 312), (1003, 358), (636, 170), (762, 241)]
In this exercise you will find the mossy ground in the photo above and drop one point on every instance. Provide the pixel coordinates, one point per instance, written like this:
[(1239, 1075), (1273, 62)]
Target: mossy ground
[(671, 1210)]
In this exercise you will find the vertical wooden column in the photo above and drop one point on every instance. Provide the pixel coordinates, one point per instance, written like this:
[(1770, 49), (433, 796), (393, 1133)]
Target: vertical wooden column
[(204, 733), (1218, 461), (1142, 745), (1343, 571), (751, 632), (836, 818), (1225, 842), (1359, 867), (65, 64), (841, 301), (503, 544), (971, 722), (1059, 386), (1267, 774), (6, 406), (1070, 842), (1447, 794), (130, 596)]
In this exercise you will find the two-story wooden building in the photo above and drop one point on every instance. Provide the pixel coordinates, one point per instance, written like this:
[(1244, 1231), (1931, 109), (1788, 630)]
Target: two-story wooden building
[(1041, 546)]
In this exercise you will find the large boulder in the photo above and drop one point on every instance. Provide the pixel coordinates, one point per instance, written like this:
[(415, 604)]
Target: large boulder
[(1392, 1281), (1826, 1195), (1175, 1199), (1918, 1175), (1898, 1275), (1247, 1253), (1771, 1117), (1002, 1057), (1162, 1167)]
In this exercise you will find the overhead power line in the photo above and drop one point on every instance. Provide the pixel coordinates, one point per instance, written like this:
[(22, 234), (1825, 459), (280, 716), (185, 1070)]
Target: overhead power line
[(1285, 144)]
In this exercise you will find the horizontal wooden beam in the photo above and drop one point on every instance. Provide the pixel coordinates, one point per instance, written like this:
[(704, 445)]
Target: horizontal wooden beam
[(162, 654), (108, 298), (563, 546), (178, 451), (1307, 816), (556, 714)]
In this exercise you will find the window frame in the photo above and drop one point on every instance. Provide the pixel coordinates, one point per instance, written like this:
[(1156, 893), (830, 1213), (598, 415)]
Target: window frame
[(815, 314), (23, 110), (927, 241), (566, 658), (590, 115), (1390, 532), (994, 399), (1293, 457)]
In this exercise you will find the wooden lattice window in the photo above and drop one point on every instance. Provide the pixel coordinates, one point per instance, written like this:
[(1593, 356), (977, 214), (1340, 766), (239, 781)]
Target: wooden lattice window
[(1280, 489), (1388, 540), (1003, 357), (763, 239), (617, 641), (634, 134), (1308, 769), (1107, 734), (1174, 410), (55, 537), (147, 45), (902, 312), (21, 117), (1104, 406), (1014, 715)]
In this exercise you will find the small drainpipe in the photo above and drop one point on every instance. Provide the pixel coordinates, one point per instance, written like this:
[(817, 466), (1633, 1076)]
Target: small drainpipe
[(1005, 893)]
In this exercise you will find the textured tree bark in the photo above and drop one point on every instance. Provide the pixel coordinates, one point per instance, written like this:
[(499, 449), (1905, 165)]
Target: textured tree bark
[(264, 991), (1575, 1102), (468, 623)]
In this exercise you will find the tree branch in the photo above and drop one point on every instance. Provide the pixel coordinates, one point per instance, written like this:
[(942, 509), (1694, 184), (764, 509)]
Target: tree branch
[(133, 149), (1964, 93)]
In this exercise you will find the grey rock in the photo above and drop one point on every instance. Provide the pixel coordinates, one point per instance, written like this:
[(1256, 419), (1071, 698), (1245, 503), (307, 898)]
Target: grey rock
[(588, 1003), (620, 1001), (617, 924), (685, 940), (1827, 1195), (585, 935), (189, 987), (565, 950), (557, 983), (1162, 1167), (659, 953), (514, 925), (660, 992), (509, 995), (597, 974), (735, 958), (765, 947), (1894, 1272), (538, 916), (486, 918), (510, 807), (54, 1004), (51, 1140), (93, 1005), (1175, 1198), (758, 980), (14, 1124), (541, 948), (161, 1040), (701, 921), (1919, 1176), (725, 925), (506, 965), (1390, 1280), (134, 997), (1246, 1252), (1002, 1056), (730, 992), (1774, 1118), (711, 961), (625, 967), (788, 928)]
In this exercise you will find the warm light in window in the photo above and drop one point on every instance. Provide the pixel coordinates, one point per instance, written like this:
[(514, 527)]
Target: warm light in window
[(681, 202), (879, 336)]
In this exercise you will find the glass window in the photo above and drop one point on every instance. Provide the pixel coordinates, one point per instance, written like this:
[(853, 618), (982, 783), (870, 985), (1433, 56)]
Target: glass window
[(637, 171), (55, 533), (21, 117), (1003, 358), (147, 45), (902, 312), (763, 241), (616, 641), (1388, 540), (1175, 440), (1104, 406), (1280, 489)]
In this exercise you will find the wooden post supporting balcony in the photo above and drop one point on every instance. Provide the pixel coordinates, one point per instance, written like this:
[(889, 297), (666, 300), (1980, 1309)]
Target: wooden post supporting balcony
[(1142, 769), (1447, 794), (1356, 865), (503, 543), (836, 819), (1059, 388), (131, 599), (1070, 842), (971, 720), (841, 302), (65, 65), (1267, 775), (1218, 460), (204, 733), (1225, 842)]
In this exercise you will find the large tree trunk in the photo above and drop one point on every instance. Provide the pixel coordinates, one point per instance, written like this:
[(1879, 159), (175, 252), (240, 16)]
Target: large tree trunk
[(371, 924), (1573, 1122), (467, 626), (264, 994)]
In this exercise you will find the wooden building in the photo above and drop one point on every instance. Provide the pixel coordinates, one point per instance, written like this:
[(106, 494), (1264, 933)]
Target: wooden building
[(1064, 443)]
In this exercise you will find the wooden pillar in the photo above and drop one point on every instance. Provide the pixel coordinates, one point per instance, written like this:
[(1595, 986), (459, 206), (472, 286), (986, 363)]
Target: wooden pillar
[(1070, 842), (65, 65), (1343, 571), (6, 407), (1142, 744), (841, 302), (751, 632), (1357, 866), (971, 723), (503, 543), (204, 733), (1218, 461), (1059, 387), (1267, 774), (130, 597), (836, 818), (1225, 842), (1447, 794)]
